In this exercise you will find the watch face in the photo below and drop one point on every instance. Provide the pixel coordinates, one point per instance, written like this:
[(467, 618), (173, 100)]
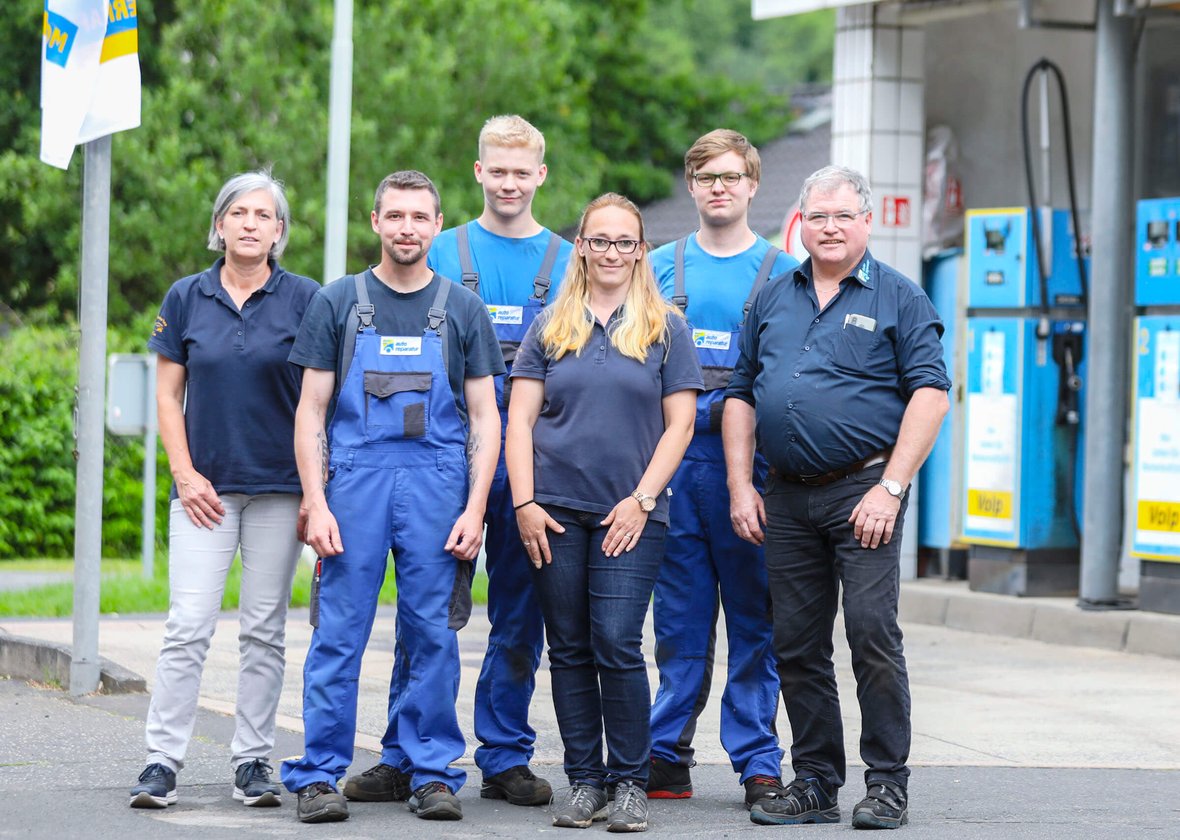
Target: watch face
[(893, 487), (648, 504)]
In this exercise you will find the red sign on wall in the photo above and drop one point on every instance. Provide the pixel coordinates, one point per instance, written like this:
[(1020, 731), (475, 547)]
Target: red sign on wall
[(895, 211)]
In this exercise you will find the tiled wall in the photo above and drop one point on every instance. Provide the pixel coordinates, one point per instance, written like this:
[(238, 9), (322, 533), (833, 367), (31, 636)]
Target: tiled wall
[(878, 125)]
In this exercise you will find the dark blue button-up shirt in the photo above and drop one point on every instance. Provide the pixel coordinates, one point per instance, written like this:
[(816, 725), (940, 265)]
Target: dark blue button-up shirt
[(829, 388)]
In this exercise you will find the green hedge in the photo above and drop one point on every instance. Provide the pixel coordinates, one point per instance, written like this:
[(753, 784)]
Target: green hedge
[(38, 372)]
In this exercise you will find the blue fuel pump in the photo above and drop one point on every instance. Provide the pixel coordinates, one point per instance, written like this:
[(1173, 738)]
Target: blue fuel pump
[(1154, 515), (1025, 359)]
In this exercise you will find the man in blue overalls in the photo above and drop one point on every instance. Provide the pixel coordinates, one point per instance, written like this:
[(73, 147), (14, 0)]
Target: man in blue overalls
[(713, 275), (514, 264), (405, 463)]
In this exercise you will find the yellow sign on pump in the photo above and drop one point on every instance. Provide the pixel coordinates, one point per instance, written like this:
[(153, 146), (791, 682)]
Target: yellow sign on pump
[(993, 503), (1159, 516)]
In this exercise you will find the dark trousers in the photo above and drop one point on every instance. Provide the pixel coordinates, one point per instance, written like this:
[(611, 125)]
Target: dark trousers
[(810, 554), (594, 608)]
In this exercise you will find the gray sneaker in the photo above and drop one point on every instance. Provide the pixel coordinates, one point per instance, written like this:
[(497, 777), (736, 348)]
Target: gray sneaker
[(630, 809), (254, 786), (578, 806)]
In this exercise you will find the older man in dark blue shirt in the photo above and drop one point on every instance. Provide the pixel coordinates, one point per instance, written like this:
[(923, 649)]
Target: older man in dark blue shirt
[(841, 374)]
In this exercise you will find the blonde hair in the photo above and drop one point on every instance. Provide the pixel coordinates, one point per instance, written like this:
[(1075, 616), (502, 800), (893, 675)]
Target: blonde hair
[(718, 142), (510, 131), (644, 317)]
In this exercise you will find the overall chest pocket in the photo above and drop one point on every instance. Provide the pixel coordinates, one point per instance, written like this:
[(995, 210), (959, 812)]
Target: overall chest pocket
[(396, 404)]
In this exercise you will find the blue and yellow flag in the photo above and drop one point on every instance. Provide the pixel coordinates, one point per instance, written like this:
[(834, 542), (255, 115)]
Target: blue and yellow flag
[(89, 74)]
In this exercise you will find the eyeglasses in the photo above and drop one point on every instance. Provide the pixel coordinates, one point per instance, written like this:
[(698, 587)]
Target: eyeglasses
[(708, 179), (623, 246), (842, 219)]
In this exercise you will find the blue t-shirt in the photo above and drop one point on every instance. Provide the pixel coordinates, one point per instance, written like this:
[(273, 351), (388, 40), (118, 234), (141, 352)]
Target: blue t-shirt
[(602, 415), (717, 287), (474, 350), (239, 414), (829, 388), (506, 266)]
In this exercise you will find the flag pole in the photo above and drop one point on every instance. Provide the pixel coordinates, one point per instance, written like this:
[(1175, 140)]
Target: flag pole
[(96, 225)]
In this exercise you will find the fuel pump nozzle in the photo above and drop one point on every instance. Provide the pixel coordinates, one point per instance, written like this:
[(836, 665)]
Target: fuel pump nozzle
[(1067, 353)]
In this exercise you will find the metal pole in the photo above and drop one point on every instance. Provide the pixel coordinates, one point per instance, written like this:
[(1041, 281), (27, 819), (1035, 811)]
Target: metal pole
[(149, 469), (96, 228), (339, 139), (1112, 216)]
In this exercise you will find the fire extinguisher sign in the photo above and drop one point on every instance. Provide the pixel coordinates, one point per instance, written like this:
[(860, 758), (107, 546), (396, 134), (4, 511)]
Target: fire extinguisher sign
[(895, 211)]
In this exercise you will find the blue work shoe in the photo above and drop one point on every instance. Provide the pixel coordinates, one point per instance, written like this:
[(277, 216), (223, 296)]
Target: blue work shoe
[(253, 785), (884, 806), (802, 801), (156, 788), (435, 801)]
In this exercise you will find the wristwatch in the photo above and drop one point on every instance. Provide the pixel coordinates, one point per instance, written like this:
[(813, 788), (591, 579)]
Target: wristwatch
[(893, 488), (646, 503)]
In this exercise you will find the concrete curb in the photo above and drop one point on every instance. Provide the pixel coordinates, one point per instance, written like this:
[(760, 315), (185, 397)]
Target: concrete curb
[(1057, 621), (33, 659)]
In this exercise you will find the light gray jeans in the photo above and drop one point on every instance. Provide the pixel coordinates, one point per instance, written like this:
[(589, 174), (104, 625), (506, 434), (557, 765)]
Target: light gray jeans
[(198, 563)]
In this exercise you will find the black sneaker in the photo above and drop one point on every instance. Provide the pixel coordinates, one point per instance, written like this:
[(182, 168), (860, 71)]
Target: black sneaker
[(518, 785), (253, 785), (319, 802), (668, 780), (578, 806), (629, 813), (802, 801), (156, 788), (380, 783), (436, 801), (884, 806), (758, 787)]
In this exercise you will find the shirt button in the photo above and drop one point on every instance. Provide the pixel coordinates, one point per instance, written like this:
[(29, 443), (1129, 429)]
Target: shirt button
[(806, 346), (602, 347), (790, 405), (795, 374), (793, 438), (240, 332), (816, 321)]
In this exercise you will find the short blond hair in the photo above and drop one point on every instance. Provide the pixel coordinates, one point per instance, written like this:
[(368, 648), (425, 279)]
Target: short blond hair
[(511, 131), (718, 142)]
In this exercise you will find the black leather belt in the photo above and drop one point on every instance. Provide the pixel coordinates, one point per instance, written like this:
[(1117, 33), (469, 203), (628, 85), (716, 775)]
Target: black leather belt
[(820, 479)]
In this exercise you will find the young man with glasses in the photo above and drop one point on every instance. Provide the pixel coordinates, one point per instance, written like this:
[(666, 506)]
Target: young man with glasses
[(841, 372), (711, 274)]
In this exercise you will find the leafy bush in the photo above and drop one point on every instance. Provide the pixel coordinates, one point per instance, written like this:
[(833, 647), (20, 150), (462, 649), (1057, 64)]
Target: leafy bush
[(38, 373)]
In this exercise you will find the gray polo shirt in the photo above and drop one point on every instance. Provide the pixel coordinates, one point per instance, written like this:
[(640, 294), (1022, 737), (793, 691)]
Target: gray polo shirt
[(603, 415)]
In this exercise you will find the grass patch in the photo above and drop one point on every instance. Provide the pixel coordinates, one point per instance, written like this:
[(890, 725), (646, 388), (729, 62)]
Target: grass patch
[(124, 590)]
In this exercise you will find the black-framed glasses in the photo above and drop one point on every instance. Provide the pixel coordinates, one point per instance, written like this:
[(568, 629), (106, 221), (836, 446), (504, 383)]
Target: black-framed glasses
[(842, 219), (708, 179), (601, 246)]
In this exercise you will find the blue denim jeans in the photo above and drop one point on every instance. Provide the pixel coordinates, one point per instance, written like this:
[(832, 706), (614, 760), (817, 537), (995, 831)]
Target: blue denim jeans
[(594, 608), (811, 554)]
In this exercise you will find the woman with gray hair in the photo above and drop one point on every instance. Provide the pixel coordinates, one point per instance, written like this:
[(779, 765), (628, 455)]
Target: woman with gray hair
[(226, 398)]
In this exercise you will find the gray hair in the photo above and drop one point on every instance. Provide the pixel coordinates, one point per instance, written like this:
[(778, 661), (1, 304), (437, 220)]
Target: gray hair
[(240, 185), (406, 179), (831, 178)]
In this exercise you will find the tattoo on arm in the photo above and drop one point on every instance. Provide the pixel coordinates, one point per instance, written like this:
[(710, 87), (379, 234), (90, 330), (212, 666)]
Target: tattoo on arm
[(473, 444), (323, 439)]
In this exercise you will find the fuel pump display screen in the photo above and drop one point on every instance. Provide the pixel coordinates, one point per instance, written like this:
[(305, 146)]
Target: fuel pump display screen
[(1157, 234)]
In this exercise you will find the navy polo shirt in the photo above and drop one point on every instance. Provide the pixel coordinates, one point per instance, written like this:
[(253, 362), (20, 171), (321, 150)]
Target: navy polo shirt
[(603, 414), (239, 413), (829, 388)]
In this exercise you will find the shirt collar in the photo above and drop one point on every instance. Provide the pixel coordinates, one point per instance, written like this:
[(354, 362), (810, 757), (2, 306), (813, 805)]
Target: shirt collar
[(865, 272), (211, 278)]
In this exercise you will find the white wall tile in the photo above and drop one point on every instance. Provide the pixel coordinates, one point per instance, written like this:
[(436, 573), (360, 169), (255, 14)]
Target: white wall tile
[(886, 52), (913, 45), (911, 107), (883, 154), (885, 95), (911, 159)]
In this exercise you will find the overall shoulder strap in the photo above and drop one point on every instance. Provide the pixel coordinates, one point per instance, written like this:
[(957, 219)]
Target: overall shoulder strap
[(360, 318), (679, 298), (436, 318), (542, 281), (763, 276), (469, 276)]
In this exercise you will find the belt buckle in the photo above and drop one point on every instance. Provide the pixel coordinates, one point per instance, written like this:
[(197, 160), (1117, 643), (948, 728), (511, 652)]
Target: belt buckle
[(811, 480)]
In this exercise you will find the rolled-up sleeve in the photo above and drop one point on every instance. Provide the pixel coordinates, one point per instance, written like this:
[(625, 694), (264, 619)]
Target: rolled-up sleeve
[(920, 362)]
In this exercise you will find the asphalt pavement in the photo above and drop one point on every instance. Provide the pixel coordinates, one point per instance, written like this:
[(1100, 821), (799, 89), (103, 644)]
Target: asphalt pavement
[(1013, 738)]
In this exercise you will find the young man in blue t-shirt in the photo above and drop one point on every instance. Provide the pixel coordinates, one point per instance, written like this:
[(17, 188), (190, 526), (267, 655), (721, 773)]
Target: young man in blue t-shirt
[(515, 265), (711, 274)]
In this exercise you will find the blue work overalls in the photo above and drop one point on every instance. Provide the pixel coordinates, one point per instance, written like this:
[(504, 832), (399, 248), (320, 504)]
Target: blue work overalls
[(517, 637), (702, 555), (397, 479)]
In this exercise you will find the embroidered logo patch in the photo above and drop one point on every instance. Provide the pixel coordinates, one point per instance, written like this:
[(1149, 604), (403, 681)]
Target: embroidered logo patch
[(506, 314), (711, 339)]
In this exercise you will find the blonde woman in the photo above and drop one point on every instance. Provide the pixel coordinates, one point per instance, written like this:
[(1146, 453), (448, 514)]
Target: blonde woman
[(602, 409)]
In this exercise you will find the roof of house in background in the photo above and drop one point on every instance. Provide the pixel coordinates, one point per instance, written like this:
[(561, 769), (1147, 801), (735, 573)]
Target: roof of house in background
[(786, 162)]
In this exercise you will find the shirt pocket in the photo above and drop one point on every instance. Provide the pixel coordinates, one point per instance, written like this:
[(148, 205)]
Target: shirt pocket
[(854, 347), (397, 404)]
